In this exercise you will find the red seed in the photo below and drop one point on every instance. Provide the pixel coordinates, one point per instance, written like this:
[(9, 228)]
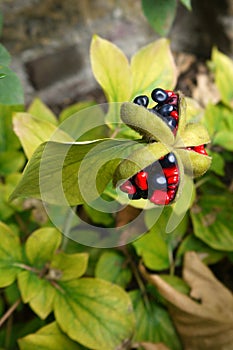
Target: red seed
[(128, 187), (170, 196), (141, 180), (168, 172), (174, 114), (200, 149), (173, 180)]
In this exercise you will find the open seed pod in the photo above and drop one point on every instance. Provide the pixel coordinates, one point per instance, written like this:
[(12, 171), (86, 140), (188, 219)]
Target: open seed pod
[(185, 143)]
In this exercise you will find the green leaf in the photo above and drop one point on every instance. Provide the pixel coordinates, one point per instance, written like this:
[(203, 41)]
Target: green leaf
[(49, 337), (39, 110), (112, 267), (156, 247), (70, 266), (5, 57), (153, 66), (36, 291), (153, 249), (160, 14), (33, 131), (95, 313), (219, 121), (10, 255), (224, 139), (187, 4), (151, 126), (217, 164), (8, 140), (211, 217), (111, 69), (75, 108), (11, 162), (54, 166), (6, 208), (205, 252), (99, 217), (223, 70), (42, 244), (153, 323), (11, 92)]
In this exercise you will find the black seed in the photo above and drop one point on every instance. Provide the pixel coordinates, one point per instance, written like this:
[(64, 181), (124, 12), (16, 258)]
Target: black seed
[(168, 161), (139, 194), (157, 181), (165, 110), (159, 95), (171, 122), (141, 100)]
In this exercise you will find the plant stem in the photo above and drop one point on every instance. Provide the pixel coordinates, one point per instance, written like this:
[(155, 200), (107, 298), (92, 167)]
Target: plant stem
[(10, 311), (137, 276), (66, 229)]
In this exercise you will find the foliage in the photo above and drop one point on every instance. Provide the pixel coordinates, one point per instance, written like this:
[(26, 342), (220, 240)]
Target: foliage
[(161, 14), (72, 296)]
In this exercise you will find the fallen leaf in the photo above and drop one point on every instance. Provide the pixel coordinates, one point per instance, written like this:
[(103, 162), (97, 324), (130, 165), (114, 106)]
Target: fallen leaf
[(204, 320)]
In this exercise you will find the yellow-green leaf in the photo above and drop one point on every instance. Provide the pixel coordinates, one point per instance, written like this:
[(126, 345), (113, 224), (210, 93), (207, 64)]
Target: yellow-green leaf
[(111, 69), (42, 244), (223, 70), (10, 255), (153, 66), (49, 337), (39, 110), (94, 312), (195, 164), (148, 124), (51, 173), (33, 131), (194, 134), (70, 266)]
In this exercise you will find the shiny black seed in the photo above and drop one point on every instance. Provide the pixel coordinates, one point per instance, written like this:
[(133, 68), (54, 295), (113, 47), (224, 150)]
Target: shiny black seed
[(157, 181), (141, 100), (171, 122), (159, 95), (139, 194), (168, 161), (165, 110)]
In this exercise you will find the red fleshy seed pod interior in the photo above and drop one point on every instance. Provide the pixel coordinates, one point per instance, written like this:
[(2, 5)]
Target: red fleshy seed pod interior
[(158, 197), (141, 180), (174, 114), (128, 187), (200, 149)]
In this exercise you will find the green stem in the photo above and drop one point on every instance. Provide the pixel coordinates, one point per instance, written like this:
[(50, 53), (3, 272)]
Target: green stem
[(66, 229), (137, 276)]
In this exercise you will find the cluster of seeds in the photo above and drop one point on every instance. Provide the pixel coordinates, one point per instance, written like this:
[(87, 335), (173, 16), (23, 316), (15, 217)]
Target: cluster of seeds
[(159, 182)]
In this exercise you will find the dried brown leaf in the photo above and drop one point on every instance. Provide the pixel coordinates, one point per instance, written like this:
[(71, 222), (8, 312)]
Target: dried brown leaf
[(204, 320)]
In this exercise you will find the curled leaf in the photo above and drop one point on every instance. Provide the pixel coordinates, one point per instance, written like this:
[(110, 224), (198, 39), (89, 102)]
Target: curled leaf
[(194, 134), (195, 164), (148, 124)]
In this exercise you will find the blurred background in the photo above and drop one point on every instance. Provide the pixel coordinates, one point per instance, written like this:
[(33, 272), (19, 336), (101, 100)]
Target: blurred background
[(49, 41)]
